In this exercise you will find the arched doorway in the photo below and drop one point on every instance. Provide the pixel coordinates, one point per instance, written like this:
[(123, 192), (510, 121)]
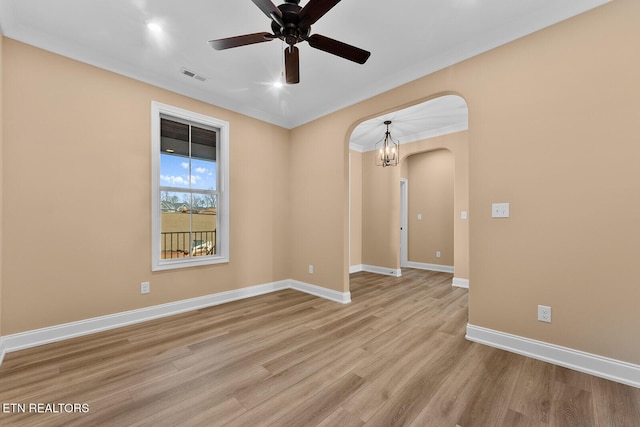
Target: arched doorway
[(375, 196)]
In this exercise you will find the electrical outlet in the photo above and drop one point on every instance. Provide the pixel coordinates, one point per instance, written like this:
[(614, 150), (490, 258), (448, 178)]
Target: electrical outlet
[(437, 254), (544, 313), (500, 210), (310, 268), (145, 288)]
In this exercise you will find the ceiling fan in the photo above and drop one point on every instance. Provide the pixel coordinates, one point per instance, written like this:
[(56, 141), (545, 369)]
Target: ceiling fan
[(292, 24)]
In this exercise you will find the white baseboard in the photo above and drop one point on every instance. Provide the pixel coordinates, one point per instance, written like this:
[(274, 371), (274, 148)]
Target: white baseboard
[(330, 294), (600, 366), (430, 267), (355, 268), (398, 272), (395, 272), (2, 350), (460, 283), (65, 331)]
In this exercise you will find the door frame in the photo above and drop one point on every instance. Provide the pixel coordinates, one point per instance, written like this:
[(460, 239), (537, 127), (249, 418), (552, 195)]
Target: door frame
[(404, 222)]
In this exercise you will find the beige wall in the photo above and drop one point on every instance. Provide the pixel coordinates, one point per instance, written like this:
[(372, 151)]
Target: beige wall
[(380, 213), (555, 133), (355, 208), (430, 179), (458, 144), (553, 130), (381, 203), (319, 196), (78, 202)]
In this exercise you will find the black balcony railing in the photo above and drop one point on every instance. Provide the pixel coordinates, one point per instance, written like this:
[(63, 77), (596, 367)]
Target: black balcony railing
[(184, 244)]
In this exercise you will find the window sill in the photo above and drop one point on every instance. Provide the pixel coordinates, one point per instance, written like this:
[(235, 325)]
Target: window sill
[(186, 263)]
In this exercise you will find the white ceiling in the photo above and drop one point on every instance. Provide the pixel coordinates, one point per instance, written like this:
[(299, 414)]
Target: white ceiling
[(407, 39), (439, 116)]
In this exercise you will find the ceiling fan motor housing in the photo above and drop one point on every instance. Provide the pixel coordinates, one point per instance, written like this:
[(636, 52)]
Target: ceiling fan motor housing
[(291, 32)]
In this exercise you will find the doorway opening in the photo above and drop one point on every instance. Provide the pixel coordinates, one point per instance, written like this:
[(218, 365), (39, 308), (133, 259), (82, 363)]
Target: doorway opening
[(380, 216)]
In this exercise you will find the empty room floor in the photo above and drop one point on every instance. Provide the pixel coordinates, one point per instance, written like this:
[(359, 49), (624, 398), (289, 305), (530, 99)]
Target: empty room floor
[(396, 355)]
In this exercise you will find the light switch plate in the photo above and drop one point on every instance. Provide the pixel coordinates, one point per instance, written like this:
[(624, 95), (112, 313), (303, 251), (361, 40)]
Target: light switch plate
[(500, 210)]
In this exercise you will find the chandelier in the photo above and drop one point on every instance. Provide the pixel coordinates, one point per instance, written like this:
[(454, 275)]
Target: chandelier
[(389, 152)]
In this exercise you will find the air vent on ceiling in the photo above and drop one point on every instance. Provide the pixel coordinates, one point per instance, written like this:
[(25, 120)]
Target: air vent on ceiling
[(191, 74)]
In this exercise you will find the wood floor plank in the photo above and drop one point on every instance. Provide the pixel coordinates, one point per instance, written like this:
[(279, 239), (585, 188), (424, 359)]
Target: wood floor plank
[(396, 355), (317, 347), (256, 394), (320, 406), (102, 411), (533, 397), (464, 382), (516, 419), (217, 415), (571, 407), (402, 407), (573, 378), (489, 405), (148, 401), (341, 418), (280, 403), (384, 381), (196, 410), (248, 350), (615, 404), (64, 386)]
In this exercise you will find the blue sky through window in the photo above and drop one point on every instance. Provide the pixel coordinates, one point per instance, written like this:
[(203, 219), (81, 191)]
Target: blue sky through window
[(174, 172)]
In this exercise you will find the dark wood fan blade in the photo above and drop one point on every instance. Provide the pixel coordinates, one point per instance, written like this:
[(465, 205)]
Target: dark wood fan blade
[(338, 48), (292, 64), (269, 9), (229, 42), (315, 10)]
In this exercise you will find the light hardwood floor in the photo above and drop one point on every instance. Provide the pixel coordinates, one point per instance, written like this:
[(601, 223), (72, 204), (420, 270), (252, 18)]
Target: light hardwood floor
[(395, 356)]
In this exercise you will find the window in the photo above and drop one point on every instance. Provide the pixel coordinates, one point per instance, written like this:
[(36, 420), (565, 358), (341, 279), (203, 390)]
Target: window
[(190, 199)]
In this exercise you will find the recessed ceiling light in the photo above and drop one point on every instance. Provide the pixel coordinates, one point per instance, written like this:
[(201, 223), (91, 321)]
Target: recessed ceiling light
[(154, 26), (279, 82)]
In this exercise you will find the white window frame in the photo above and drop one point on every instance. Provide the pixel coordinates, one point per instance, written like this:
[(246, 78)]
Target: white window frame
[(222, 185)]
